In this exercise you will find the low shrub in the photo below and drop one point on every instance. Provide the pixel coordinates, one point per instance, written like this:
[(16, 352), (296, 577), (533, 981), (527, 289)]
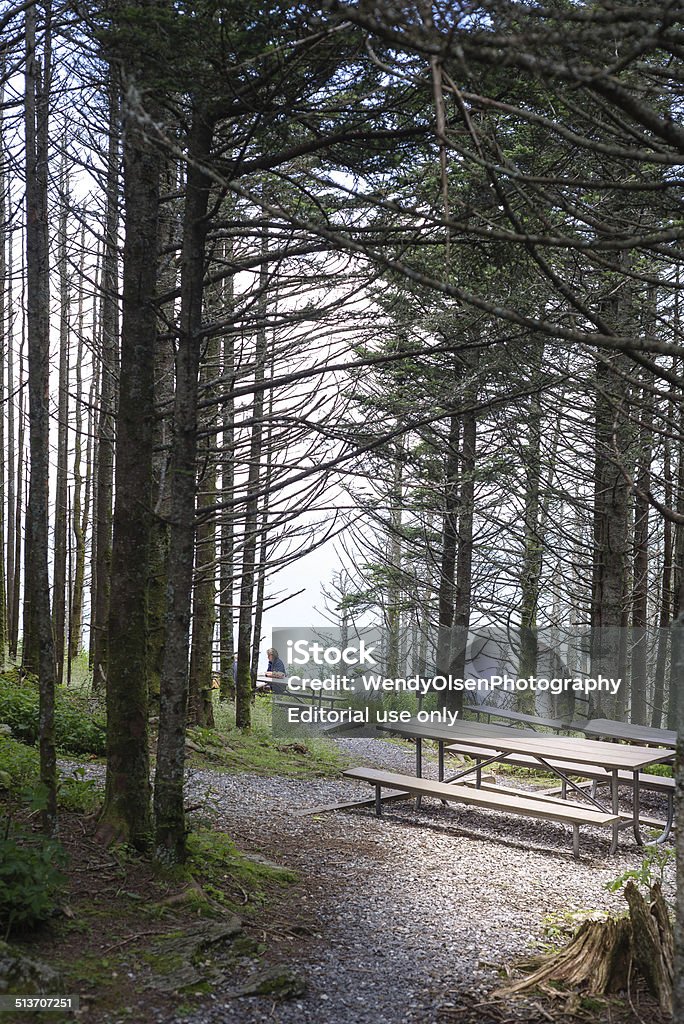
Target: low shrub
[(78, 728), (19, 766), (30, 881)]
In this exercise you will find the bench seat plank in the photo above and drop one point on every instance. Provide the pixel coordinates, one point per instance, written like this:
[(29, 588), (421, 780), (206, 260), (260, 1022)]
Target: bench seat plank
[(529, 804)]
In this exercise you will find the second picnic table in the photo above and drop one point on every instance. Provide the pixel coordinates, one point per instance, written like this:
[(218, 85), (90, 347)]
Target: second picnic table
[(546, 750)]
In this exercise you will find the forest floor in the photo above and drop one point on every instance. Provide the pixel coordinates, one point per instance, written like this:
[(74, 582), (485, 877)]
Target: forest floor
[(335, 918)]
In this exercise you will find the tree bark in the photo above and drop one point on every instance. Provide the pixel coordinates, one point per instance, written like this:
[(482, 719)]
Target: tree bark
[(168, 786), (126, 812), (243, 695), (40, 654), (61, 489), (109, 330)]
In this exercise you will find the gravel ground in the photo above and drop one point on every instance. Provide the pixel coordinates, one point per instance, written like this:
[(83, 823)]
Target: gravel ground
[(415, 910)]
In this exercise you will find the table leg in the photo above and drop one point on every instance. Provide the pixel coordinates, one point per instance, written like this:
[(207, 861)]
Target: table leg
[(478, 773), (636, 798), (615, 804), (419, 764), (378, 801), (440, 755)]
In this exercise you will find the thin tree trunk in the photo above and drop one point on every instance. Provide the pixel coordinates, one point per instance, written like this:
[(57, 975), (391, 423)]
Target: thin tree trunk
[(639, 680), (532, 558), (105, 430), (393, 614), (41, 652), (5, 330), (200, 708), (78, 526), (243, 695), (263, 543), (60, 552), (227, 569), (16, 582), (445, 596), (464, 561)]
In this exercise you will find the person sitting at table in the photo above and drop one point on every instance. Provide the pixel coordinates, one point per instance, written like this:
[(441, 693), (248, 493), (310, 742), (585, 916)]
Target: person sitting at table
[(276, 671)]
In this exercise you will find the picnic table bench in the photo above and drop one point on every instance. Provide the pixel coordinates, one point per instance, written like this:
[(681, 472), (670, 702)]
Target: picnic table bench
[(518, 717), (509, 801)]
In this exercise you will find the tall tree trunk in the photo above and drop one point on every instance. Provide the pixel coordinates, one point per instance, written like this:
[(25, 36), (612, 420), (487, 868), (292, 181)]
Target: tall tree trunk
[(12, 466), (639, 679), (243, 695), (464, 560), (264, 542), (200, 708), (445, 596), (126, 812), (163, 395), (102, 522), (227, 564), (168, 786), (18, 514), (78, 526), (611, 540), (61, 490), (5, 331), (532, 557), (393, 613), (41, 651)]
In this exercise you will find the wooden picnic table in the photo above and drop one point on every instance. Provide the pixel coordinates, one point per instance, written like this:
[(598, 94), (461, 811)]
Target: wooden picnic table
[(607, 728), (546, 750)]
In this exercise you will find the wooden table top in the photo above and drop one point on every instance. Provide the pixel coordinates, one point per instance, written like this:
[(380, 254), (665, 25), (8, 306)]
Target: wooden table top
[(523, 741), (632, 733)]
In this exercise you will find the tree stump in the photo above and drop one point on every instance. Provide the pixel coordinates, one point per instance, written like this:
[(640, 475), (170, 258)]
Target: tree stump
[(602, 956)]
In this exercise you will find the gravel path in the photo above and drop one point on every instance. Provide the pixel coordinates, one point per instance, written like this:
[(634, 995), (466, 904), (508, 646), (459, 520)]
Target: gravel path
[(413, 909)]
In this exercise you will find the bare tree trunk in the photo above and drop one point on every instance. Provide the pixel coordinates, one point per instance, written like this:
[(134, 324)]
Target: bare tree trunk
[(200, 709), (5, 331), (464, 561), (243, 695), (163, 394), (41, 651), (16, 582), (640, 573), (263, 543), (78, 526), (61, 493), (102, 521), (227, 569), (532, 558), (445, 597), (611, 508), (126, 812), (12, 467), (168, 785), (393, 614)]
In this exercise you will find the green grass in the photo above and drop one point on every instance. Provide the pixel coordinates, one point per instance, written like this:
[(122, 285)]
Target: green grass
[(231, 750)]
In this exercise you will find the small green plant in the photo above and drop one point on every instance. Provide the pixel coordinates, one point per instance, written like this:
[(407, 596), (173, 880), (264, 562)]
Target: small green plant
[(76, 793), (30, 880), (651, 870), (79, 727)]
